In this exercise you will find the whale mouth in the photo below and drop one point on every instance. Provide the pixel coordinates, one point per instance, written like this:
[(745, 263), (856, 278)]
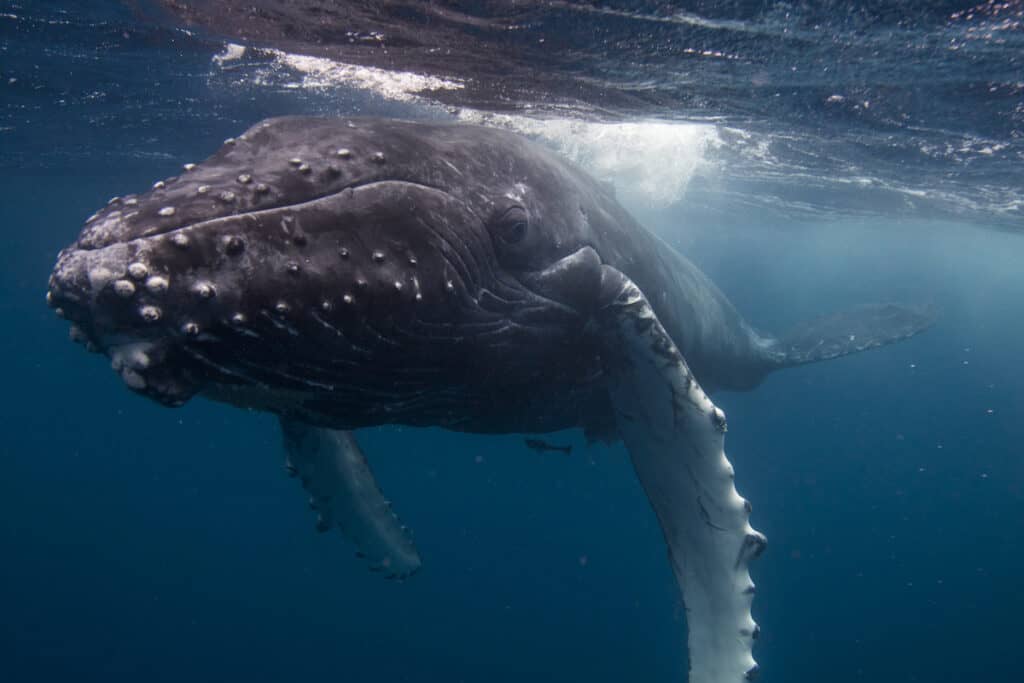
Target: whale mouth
[(158, 371)]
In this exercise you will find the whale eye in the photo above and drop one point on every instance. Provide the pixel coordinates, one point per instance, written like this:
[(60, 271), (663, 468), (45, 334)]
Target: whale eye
[(513, 225)]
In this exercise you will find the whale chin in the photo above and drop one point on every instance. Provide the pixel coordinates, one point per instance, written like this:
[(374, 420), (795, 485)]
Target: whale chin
[(159, 371)]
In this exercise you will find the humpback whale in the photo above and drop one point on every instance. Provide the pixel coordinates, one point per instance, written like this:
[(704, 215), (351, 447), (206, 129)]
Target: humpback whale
[(346, 273)]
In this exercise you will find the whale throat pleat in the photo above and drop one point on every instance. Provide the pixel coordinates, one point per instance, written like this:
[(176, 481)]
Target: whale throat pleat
[(344, 493), (675, 437)]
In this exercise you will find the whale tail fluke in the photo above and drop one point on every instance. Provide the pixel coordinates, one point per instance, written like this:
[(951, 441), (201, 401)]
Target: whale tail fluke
[(859, 329)]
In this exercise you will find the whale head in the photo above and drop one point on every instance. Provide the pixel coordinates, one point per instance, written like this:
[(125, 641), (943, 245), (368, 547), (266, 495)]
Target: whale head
[(347, 271)]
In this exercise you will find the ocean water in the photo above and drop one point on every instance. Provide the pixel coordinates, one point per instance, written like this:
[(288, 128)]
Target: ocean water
[(144, 543)]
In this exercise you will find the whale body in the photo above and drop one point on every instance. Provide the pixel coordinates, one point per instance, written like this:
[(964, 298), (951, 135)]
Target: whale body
[(346, 273)]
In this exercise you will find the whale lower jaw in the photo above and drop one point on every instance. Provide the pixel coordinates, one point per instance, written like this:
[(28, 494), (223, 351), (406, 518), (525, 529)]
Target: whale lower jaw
[(153, 370)]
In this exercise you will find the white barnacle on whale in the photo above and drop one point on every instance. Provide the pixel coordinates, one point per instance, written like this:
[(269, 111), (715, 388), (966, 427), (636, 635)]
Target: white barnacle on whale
[(124, 289), (205, 289), (157, 284), (138, 270), (99, 277), (150, 314)]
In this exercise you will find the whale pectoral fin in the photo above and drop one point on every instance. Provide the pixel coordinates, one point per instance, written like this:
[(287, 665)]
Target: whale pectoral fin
[(859, 329), (342, 490), (675, 437)]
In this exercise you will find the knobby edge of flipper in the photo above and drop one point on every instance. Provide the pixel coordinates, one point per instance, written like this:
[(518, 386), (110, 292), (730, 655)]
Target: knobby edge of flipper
[(345, 494), (675, 438), (858, 329)]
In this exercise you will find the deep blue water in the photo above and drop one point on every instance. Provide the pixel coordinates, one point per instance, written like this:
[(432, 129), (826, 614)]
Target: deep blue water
[(142, 543)]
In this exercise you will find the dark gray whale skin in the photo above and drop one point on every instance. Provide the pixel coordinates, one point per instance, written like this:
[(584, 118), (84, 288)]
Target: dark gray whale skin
[(354, 272)]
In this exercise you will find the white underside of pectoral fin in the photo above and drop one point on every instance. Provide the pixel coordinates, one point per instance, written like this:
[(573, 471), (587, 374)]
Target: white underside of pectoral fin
[(344, 493), (675, 436)]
